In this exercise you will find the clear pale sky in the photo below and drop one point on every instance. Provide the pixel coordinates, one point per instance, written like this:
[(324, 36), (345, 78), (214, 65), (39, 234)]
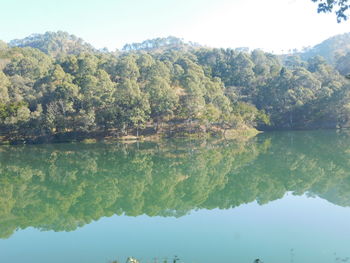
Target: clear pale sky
[(269, 24)]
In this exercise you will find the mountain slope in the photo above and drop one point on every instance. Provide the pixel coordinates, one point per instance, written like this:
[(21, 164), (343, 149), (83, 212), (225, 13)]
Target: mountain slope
[(54, 43), (330, 49), (160, 44)]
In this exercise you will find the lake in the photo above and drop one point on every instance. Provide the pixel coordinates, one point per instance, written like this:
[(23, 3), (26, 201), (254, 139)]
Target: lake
[(278, 197)]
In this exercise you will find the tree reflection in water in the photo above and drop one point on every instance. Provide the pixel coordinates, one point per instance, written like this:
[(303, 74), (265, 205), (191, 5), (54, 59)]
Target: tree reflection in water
[(65, 186)]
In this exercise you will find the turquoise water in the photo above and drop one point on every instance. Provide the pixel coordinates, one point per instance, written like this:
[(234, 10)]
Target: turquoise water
[(279, 197)]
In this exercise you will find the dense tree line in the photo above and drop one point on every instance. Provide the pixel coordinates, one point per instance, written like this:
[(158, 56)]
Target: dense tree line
[(56, 83), (64, 186)]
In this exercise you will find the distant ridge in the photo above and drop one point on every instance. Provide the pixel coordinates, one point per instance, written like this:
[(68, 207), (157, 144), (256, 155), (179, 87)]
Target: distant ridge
[(331, 49), (161, 44), (62, 43), (54, 43)]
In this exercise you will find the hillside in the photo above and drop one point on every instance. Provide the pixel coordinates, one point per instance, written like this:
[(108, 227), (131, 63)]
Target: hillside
[(331, 49), (161, 44), (56, 84), (54, 43)]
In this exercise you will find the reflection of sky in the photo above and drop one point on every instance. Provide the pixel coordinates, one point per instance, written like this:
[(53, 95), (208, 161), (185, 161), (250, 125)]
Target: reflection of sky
[(294, 229)]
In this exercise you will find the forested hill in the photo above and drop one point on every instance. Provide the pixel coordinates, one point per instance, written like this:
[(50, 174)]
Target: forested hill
[(54, 43), (56, 83), (161, 44), (331, 49)]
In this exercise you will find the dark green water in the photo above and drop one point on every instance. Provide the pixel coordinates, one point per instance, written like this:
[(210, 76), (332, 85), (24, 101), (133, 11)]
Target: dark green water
[(280, 197)]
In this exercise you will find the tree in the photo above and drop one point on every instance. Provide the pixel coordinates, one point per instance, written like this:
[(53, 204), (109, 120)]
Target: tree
[(127, 68), (73, 88), (343, 64), (162, 98), (133, 105), (59, 95), (340, 7), (54, 43), (4, 85), (28, 62)]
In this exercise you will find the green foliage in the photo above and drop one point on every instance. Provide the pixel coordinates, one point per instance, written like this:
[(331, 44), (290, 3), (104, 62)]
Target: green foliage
[(27, 62), (329, 49), (162, 98), (155, 85), (4, 85), (339, 6), (54, 43), (343, 64), (170, 42), (133, 105)]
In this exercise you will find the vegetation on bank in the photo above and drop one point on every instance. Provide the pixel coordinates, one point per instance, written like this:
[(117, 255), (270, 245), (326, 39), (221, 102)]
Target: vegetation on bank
[(55, 84), (165, 260)]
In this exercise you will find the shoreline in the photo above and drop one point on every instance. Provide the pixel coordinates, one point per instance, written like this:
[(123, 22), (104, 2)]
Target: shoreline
[(70, 137)]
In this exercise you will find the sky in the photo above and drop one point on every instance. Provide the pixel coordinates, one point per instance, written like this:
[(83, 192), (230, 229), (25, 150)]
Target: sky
[(272, 25)]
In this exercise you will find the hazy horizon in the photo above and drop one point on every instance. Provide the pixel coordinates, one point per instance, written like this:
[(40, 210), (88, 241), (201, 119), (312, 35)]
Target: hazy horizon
[(272, 25), (291, 50)]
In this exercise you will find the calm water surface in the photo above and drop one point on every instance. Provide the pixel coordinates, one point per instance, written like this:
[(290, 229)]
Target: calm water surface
[(280, 197)]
